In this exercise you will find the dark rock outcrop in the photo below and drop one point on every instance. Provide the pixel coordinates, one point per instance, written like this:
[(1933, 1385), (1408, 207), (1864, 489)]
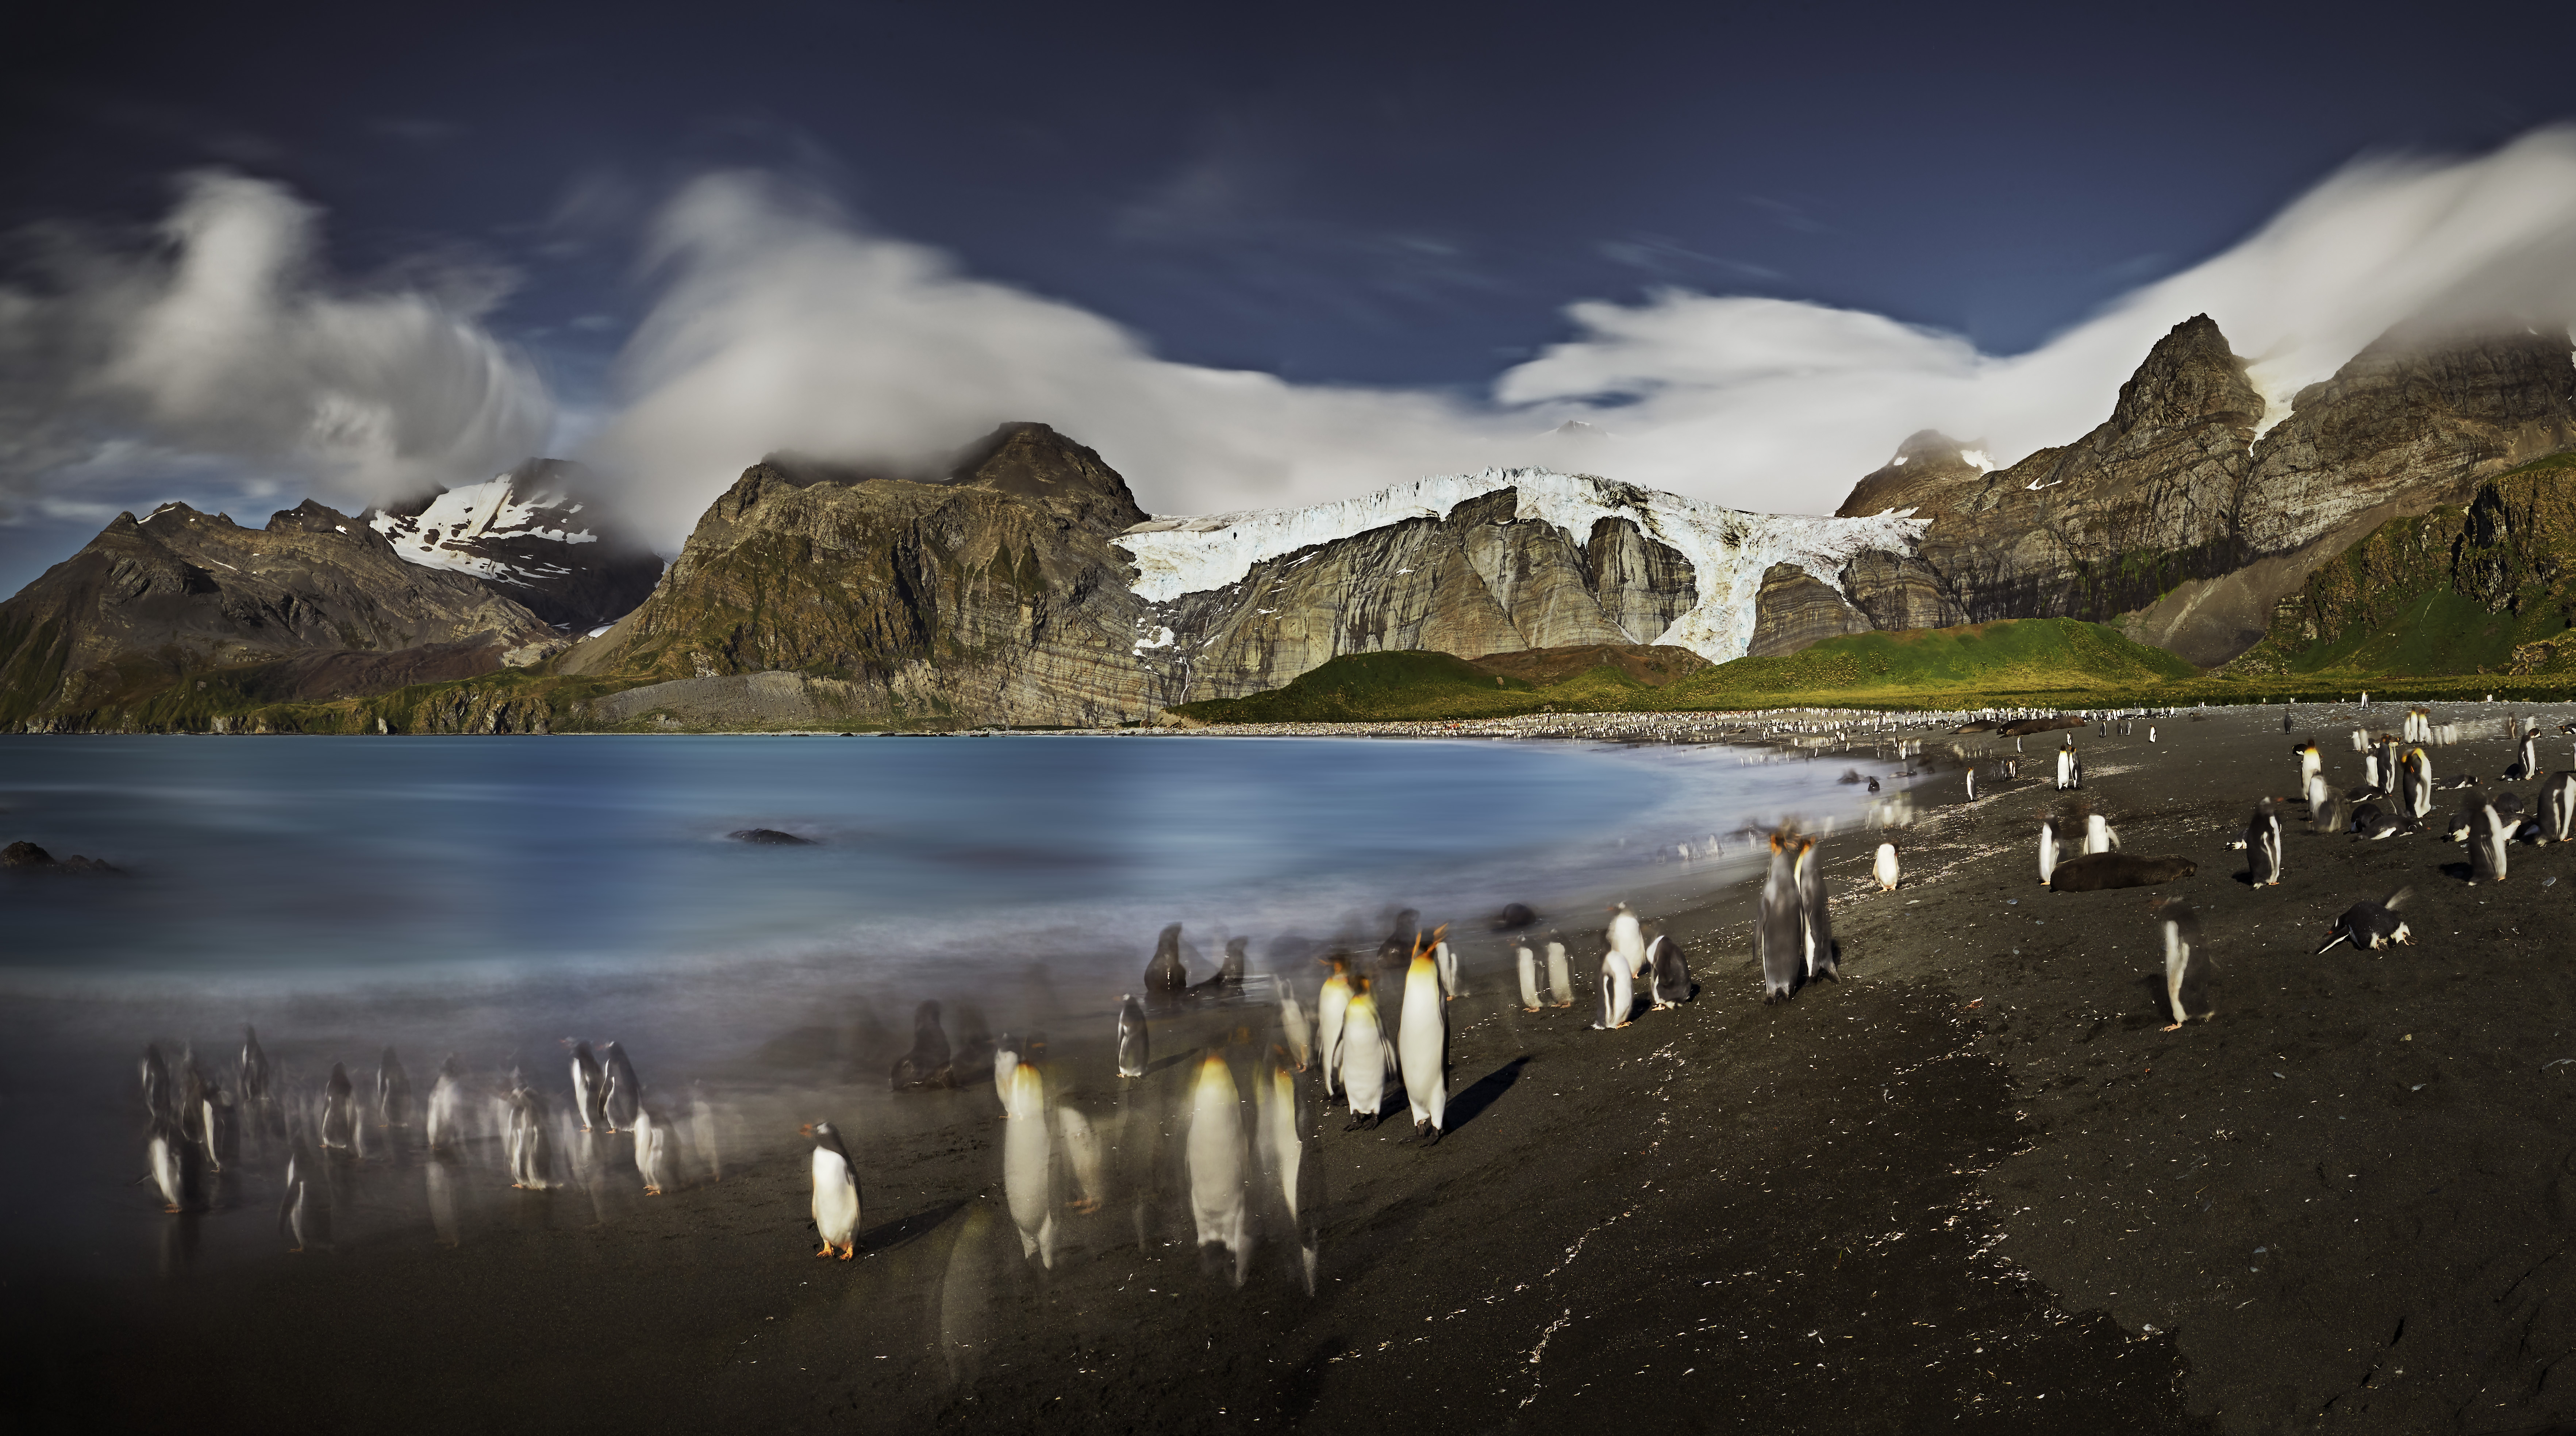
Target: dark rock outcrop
[(1794, 608), (1927, 469), (26, 857), (769, 838)]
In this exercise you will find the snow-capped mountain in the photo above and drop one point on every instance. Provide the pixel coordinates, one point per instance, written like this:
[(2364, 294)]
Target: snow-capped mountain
[(537, 534)]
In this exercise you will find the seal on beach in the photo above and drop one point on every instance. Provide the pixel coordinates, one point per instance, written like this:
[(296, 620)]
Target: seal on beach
[(1884, 868), (1165, 977), (928, 1063), (1133, 1049), (1028, 1165), (1332, 1009), (621, 1097), (2263, 846), (1364, 1057), (1779, 932), (2104, 871), (1671, 968), (2186, 962), (1229, 971), (1514, 917), (589, 1086), (1525, 963), (1627, 939), (1422, 1046), (1395, 950), (1218, 1163), (1560, 973), (304, 1211), (1815, 921), (836, 1192), (2371, 926)]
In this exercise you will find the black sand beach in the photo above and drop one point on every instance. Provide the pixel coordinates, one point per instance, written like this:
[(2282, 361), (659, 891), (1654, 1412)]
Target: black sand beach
[(1972, 1185)]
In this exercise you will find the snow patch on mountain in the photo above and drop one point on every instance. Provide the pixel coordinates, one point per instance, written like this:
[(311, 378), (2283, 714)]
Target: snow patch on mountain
[(1728, 548), (446, 533)]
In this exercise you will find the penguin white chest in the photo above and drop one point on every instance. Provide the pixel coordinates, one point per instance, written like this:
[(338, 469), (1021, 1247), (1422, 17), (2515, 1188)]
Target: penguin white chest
[(836, 1198)]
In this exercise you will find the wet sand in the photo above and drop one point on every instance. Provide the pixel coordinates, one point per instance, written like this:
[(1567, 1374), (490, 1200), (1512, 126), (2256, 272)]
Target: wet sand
[(1972, 1184)]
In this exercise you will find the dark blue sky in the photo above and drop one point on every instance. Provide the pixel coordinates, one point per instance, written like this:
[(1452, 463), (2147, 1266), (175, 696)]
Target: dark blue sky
[(1378, 194)]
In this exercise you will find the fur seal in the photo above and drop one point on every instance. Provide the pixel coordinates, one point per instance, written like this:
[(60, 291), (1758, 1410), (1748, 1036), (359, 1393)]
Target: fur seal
[(2100, 872)]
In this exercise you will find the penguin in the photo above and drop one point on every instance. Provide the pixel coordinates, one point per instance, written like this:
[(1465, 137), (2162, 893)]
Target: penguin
[(1618, 992), (2066, 767), (445, 1118), (2098, 837), (160, 1099), (1816, 928), (393, 1092), (1972, 783), (1885, 868), (1560, 974), (1671, 967), (2326, 814), (1165, 977), (1781, 932), (1445, 959), (2370, 775), (589, 1086), (1283, 1127), (1627, 939), (1083, 1157), (2489, 836), (1396, 951), (1422, 1047), (1332, 1009), (836, 1192), (217, 1130), (528, 1142), (2374, 822), (2311, 762), (2370, 926), (1293, 1026), (2419, 783), (1218, 1176), (254, 1072), (653, 1149), (2048, 846), (2186, 962), (928, 1064), (1134, 1049), (620, 1096), (1364, 1057), (2526, 764), (702, 1131), (339, 1110), (1525, 962), (177, 1166), (2558, 807), (2263, 846), (1028, 1166), (1006, 1060), (2104, 871), (304, 1212)]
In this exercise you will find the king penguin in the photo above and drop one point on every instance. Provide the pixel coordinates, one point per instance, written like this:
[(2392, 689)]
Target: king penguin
[(1780, 933), (589, 1086), (2263, 846), (2371, 926), (1525, 963), (2419, 784), (1218, 1175), (1028, 1166), (1627, 939), (1445, 958), (2066, 767), (836, 1192), (1885, 868), (620, 1095), (1332, 1008), (1133, 1049), (1364, 1057), (1422, 1047), (2186, 961), (1815, 920), (1560, 973), (2311, 763)]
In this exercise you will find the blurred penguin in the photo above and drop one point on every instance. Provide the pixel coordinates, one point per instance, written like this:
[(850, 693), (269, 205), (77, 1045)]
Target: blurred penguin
[(1083, 1158), (1525, 966), (1028, 1166), (1286, 1131), (393, 1092), (178, 1167), (1218, 1167), (2312, 763), (218, 1129), (836, 1192), (529, 1142), (1422, 1046), (2098, 837), (1396, 949), (2186, 961), (1166, 977), (446, 1118), (339, 1110), (1006, 1060), (1560, 973), (702, 1131), (1444, 958), (589, 1086), (1884, 868), (1135, 1048), (928, 1063), (1780, 931), (304, 1212), (2558, 808), (1815, 919), (160, 1094), (2048, 848), (2489, 837), (653, 1159), (254, 1084), (1671, 972), (2326, 812), (1627, 939), (1364, 1057), (1332, 1007), (2371, 926), (621, 1097), (1294, 1027), (2263, 846)]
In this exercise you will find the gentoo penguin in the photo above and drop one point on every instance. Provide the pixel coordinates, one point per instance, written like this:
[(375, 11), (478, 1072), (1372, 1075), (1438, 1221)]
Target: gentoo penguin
[(217, 1130), (393, 1092), (929, 1063), (1422, 1047), (1618, 992), (2370, 774), (339, 1110), (2311, 762), (2371, 926), (1006, 1060), (2101, 872), (589, 1086), (2263, 846), (1165, 978), (177, 1166), (1445, 959), (1218, 1185), (1028, 1165), (1332, 1006), (2047, 849), (529, 1145), (1293, 1026), (1525, 962), (621, 1096), (653, 1149), (2489, 835), (2558, 808), (1816, 926), (2098, 837), (1364, 1057), (304, 1214), (1134, 1050), (1560, 973), (836, 1192), (446, 1117), (2526, 763), (1670, 969), (1781, 933), (2374, 822), (2186, 962), (1627, 939), (1885, 869), (160, 1098), (254, 1072)]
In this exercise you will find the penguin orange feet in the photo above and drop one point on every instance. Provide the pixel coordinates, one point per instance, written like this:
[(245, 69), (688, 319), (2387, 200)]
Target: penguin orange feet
[(826, 1251), (2173, 1027), (850, 1250)]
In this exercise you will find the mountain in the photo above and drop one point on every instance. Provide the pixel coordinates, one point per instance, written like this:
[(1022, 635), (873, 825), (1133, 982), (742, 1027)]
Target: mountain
[(152, 604), (538, 534)]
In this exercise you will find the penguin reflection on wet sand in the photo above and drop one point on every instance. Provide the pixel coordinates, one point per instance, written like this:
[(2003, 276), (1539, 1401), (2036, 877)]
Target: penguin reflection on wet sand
[(2370, 926), (2186, 961), (1422, 1046), (1780, 931), (836, 1192), (1134, 1046)]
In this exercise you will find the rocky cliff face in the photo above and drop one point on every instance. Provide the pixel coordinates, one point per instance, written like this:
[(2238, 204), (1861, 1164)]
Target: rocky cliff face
[(168, 599), (539, 535), (1794, 608)]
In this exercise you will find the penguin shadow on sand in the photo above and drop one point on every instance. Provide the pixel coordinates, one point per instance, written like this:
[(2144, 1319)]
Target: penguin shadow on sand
[(886, 1236), (1469, 1104)]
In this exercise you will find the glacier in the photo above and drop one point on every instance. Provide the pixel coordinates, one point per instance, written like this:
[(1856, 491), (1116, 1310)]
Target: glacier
[(1728, 549)]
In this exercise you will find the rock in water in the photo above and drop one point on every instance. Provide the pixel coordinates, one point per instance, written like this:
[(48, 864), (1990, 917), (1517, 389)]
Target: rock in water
[(769, 837)]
